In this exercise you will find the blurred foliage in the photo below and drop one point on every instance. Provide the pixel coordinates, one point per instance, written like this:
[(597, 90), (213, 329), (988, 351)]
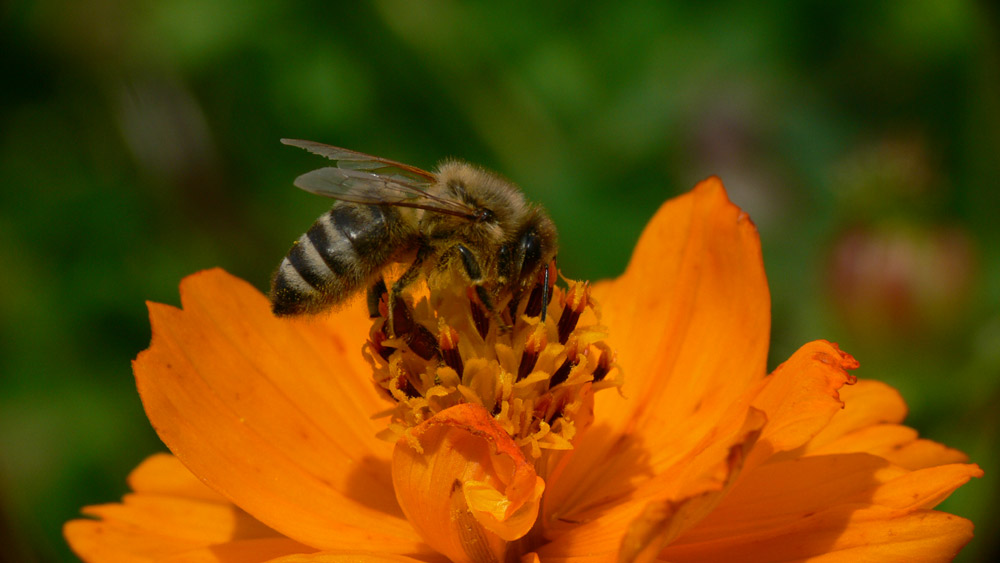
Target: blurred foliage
[(138, 144)]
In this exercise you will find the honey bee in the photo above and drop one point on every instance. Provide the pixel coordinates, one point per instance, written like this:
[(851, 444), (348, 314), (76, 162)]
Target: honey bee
[(459, 219)]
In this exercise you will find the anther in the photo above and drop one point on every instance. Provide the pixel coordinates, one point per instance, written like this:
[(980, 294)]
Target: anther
[(376, 293), (532, 348), (417, 337), (402, 322), (534, 307), (448, 337), (561, 374), (422, 342), (576, 302), (604, 363), (479, 316), (403, 383), (538, 299), (378, 337)]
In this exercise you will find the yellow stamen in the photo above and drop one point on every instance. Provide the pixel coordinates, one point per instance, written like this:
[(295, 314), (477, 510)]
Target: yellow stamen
[(532, 371)]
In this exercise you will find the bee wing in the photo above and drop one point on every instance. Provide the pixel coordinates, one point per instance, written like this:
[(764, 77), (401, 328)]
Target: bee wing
[(359, 186), (354, 160), (373, 180)]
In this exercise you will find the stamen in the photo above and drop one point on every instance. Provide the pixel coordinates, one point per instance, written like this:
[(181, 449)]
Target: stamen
[(377, 338), (402, 381), (534, 306), (604, 363), (435, 361), (416, 336), (534, 346), (562, 373), (376, 295), (423, 343), (479, 315), (449, 347), (538, 301), (576, 302)]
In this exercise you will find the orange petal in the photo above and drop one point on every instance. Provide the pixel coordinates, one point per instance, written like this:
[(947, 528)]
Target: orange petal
[(690, 320), (662, 507), (695, 287), (243, 551), (95, 541), (164, 474), (866, 403), (353, 557), (919, 454), (273, 414), (794, 506), (848, 534), (170, 513), (465, 485), (201, 522), (894, 442), (801, 397)]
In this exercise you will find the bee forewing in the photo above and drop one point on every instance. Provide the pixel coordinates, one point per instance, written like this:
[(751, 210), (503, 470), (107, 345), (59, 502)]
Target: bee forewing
[(353, 185), (358, 186), (354, 160)]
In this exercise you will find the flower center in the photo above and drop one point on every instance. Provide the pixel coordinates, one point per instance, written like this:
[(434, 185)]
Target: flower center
[(535, 371)]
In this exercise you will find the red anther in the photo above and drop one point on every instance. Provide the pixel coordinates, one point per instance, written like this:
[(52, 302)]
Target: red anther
[(402, 320), (604, 363), (534, 306), (542, 288), (561, 374), (542, 406), (532, 348), (479, 316), (408, 389), (603, 366), (416, 336), (449, 348), (576, 301), (571, 360), (402, 380), (422, 342), (378, 337)]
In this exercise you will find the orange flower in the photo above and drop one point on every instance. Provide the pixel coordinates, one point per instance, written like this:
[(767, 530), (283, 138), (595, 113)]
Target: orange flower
[(504, 447)]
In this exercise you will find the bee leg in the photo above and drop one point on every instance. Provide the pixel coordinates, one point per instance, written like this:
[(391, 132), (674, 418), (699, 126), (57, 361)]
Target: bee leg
[(475, 273)]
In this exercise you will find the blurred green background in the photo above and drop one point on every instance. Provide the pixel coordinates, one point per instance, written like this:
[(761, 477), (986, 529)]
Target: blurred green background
[(139, 143)]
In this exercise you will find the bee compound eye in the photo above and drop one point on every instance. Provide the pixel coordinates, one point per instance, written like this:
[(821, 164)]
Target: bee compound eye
[(531, 251)]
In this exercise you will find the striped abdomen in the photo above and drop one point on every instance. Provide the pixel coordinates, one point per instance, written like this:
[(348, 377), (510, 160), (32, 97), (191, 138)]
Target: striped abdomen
[(338, 256)]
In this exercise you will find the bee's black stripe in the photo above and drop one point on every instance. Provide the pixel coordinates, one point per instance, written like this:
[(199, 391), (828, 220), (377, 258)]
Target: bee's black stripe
[(367, 234), (299, 259), (327, 248), (287, 296)]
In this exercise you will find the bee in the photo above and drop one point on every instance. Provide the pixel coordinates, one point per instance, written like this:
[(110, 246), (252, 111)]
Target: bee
[(459, 219)]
